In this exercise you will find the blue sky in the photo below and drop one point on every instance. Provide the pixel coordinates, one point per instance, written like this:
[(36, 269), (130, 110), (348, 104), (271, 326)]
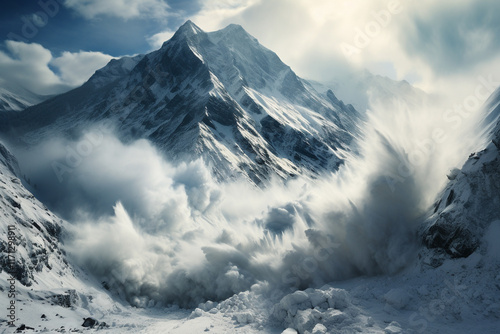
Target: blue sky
[(69, 30), (435, 45)]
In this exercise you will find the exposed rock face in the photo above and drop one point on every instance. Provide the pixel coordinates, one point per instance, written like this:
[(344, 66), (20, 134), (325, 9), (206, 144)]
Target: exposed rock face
[(33, 233), (90, 322), (470, 202)]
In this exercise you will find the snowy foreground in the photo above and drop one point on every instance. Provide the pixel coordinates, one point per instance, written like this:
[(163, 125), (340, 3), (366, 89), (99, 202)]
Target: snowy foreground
[(461, 296)]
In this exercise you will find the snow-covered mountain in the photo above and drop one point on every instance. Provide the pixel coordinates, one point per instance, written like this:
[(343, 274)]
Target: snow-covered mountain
[(34, 229), (15, 98), (220, 95), (41, 288), (470, 204), (223, 96)]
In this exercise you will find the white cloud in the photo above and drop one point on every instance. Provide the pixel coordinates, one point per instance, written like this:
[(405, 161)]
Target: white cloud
[(157, 40), (29, 65), (196, 240), (76, 68), (416, 41), (305, 36), (125, 9)]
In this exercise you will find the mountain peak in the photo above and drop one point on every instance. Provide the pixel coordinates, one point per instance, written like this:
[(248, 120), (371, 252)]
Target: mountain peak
[(221, 95), (189, 29), (234, 28), (233, 32)]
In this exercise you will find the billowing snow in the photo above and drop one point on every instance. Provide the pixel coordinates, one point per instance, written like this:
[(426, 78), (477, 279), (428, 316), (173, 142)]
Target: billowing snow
[(151, 233)]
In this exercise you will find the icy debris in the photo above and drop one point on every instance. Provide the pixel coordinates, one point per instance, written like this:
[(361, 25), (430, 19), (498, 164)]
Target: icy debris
[(340, 299), (333, 317), (304, 310), (397, 298), (245, 308), (244, 318), (196, 313), (209, 305), (393, 328), (319, 329), (289, 331), (299, 300)]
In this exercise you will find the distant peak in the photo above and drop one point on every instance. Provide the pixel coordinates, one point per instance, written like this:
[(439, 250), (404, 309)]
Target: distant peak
[(233, 32), (235, 29), (189, 28), (234, 26)]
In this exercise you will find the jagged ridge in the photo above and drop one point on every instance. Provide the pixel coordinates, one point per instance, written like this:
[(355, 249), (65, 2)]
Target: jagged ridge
[(221, 95)]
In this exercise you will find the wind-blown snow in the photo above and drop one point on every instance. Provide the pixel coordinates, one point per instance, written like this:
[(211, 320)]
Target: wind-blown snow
[(158, 231), (165, 233)]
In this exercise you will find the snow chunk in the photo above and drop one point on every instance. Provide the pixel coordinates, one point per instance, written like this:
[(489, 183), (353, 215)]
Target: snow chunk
[(319, 329), (295, 301), (196, 313), (289, 331), (244, 318), (397, 298), (393, 328), (313, 310), (339, 299)]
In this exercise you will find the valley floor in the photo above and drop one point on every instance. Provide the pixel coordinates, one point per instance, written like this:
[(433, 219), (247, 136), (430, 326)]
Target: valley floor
[(460, 296)]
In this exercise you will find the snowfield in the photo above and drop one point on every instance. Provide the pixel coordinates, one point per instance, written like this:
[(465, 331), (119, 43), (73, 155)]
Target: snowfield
[(461, 296)]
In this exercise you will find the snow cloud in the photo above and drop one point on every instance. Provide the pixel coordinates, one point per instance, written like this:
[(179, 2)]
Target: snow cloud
[(125, 9), (163, 233), (76, 68), (28, 65), (32, 66), (438, 46), (157, 40)]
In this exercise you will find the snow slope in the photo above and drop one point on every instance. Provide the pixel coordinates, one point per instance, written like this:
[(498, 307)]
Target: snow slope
[(14, 98)]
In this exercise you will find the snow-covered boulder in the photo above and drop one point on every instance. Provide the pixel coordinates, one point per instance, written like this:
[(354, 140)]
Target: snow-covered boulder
[(470, 202), (316, 310)]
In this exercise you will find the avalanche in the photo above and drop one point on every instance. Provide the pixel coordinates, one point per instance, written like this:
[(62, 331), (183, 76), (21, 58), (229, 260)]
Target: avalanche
[(336, 238)]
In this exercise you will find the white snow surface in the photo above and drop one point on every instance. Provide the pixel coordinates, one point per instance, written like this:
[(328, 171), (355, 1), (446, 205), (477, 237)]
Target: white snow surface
[(15, 98)]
